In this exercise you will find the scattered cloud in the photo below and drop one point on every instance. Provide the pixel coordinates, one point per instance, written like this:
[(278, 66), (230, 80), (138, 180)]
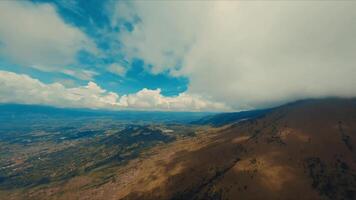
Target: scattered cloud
[(16, 88)]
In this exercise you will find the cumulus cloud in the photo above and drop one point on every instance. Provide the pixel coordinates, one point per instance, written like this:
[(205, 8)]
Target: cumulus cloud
[(21, 88), (154, 100), (250, 54), (34, 35)]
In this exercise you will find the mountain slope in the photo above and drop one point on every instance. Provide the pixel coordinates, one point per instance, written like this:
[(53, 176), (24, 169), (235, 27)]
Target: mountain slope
[(303, 150)]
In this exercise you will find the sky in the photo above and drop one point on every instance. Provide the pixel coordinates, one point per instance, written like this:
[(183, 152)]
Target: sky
[(175, 55)]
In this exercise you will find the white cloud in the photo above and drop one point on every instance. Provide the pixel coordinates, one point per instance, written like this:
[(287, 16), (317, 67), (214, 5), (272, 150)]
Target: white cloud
[(34, 35), (17, 88), (117, 69), (153, 100), (164, 34), (251, 54)]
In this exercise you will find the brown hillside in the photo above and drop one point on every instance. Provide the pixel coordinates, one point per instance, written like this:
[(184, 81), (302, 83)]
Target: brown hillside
[(304, 150)]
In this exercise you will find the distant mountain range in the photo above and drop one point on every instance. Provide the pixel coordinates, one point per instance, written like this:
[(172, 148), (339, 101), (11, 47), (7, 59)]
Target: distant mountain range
[(20, 112)]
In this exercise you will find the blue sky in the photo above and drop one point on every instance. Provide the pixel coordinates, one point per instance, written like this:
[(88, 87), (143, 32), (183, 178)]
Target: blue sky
[(175, 55)]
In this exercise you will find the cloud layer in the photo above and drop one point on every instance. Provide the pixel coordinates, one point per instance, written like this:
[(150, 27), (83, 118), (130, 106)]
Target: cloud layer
[(250, 54), (21, 88)]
